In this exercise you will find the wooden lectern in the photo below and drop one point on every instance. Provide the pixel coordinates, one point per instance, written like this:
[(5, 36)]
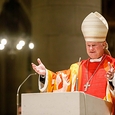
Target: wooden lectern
[(68, 103)]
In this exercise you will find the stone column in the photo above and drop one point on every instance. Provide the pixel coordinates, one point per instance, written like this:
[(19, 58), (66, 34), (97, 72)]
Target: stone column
[(56, 31)]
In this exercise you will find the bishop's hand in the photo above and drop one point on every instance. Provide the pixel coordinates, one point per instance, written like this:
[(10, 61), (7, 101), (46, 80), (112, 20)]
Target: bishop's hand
[(40, 69), (110, 73)]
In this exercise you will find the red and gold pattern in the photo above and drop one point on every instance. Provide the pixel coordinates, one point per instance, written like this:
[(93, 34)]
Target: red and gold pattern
[(65, 81)]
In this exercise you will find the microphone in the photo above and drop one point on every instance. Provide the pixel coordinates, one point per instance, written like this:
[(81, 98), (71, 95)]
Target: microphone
[(78, 72), (20, 87)]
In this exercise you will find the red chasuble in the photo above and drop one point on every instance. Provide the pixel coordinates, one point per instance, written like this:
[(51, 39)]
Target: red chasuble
[(85, 71), (94, 74)]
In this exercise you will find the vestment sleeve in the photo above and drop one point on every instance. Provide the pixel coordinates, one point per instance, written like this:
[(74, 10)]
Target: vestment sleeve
[(61, 81)]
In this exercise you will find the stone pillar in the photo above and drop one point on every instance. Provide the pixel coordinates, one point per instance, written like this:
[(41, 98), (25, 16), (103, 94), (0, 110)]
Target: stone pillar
[(56, 31)]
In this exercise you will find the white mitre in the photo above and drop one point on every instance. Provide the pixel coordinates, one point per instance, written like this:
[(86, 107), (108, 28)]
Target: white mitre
[(94, 27)]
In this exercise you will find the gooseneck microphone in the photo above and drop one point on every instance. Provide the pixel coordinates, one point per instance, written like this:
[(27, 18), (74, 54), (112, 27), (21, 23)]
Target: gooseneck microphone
[(20, 87), (78, 73)]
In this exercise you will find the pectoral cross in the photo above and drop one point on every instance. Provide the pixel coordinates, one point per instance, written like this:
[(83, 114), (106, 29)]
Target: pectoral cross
[(86, 86)]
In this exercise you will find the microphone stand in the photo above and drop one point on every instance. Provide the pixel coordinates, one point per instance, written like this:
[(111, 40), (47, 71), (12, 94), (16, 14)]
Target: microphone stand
[(19, 90), (78, 72)]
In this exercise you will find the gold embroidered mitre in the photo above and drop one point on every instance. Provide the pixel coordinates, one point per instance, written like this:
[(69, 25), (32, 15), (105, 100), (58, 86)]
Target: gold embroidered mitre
[(94, 27)]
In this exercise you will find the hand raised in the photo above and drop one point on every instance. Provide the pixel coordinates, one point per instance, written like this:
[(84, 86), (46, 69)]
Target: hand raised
[(110, 73), (40, 69)]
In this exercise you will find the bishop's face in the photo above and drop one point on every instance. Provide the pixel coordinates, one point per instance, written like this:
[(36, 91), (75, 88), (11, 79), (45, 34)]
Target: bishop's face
[(95, 49)]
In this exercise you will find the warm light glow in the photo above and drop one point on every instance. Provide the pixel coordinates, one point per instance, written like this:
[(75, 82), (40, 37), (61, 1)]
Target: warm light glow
[(4, 41), (1, 46), (31, 45), (19, 47), (22, 42)]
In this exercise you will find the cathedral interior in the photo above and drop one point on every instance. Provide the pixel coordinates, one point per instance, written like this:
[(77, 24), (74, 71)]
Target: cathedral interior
[(54, 28)]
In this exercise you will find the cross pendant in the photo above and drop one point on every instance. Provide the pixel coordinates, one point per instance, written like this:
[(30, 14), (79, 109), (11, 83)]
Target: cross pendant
[(86, 86)]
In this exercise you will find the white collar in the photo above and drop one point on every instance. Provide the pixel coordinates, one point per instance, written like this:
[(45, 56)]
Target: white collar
[(96, 60)]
